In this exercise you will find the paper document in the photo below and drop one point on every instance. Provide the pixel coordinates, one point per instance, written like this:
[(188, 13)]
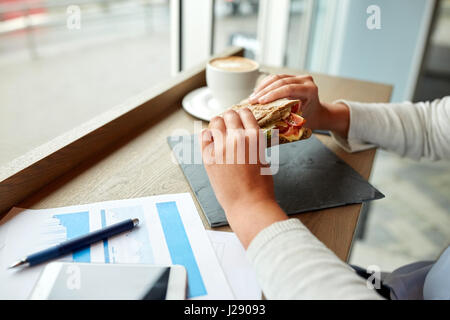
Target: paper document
[(170, 232), (237, 268)]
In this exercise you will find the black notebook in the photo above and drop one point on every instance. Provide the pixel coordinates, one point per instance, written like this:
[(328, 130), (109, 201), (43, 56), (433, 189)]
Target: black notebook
[(310, 177)]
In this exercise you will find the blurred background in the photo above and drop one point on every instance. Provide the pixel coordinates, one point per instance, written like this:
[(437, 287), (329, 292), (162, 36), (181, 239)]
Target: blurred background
[(64, 62)]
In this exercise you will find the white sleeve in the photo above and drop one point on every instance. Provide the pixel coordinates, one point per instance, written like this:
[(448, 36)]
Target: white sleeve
[(291, 263), (414, 130)]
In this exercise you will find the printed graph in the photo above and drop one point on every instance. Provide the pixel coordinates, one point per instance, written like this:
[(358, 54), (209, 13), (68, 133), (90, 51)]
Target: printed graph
[(76, 224), (131, 247), (134, 246), (179, 247)]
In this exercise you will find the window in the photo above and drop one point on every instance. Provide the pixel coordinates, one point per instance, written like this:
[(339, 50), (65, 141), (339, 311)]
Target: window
[(236, 24), (65, 62), (300, 15), (434, 80)]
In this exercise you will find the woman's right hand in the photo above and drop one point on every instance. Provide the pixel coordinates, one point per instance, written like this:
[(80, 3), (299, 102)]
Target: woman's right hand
[(243, 189)]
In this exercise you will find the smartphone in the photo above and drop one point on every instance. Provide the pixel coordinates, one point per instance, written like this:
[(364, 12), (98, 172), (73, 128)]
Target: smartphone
[(91, 281)]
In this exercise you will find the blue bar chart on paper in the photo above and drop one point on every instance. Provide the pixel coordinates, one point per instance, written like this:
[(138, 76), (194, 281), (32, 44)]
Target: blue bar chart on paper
[(179, 246), (61, 227), (131, 247), (136, 249), (170, 232)]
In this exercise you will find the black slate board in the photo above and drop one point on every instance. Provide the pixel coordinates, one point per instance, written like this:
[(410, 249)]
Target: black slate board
[(310, 177)]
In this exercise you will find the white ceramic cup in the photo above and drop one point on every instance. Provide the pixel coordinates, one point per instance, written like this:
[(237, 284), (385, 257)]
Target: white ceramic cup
[(229, 87)]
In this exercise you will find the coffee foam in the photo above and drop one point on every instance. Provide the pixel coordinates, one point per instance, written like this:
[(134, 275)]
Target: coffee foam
[(234, 64)]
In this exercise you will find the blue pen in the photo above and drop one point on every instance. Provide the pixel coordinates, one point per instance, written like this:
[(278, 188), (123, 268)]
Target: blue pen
[(76, 243)]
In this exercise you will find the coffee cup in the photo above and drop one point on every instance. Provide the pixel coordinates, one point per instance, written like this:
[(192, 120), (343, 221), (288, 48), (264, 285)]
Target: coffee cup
[(231, 79)]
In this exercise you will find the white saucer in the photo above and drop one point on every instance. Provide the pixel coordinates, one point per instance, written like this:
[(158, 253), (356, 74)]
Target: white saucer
[(201, 104)]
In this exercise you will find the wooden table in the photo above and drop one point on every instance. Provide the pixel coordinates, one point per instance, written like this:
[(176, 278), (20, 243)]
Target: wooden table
[(137, 163)]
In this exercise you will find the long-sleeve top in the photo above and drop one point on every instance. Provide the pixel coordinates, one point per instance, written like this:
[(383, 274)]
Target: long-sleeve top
[(291, 263)]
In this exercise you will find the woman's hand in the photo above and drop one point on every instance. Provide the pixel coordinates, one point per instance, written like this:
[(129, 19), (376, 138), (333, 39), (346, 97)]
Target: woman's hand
[(278, 86), (324, 116), (231, 155)]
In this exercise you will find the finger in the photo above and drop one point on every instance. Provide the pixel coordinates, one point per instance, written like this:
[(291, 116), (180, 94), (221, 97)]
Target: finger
[(207, 146), (217, 123), (269, 80), (277, 84), (232, 120), (263, 83), (251, 134), (205, 138), (218, 130), (298, 91), (248, 119)]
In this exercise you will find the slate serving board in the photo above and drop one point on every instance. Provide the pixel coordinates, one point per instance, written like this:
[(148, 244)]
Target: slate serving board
[(310, 177)]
